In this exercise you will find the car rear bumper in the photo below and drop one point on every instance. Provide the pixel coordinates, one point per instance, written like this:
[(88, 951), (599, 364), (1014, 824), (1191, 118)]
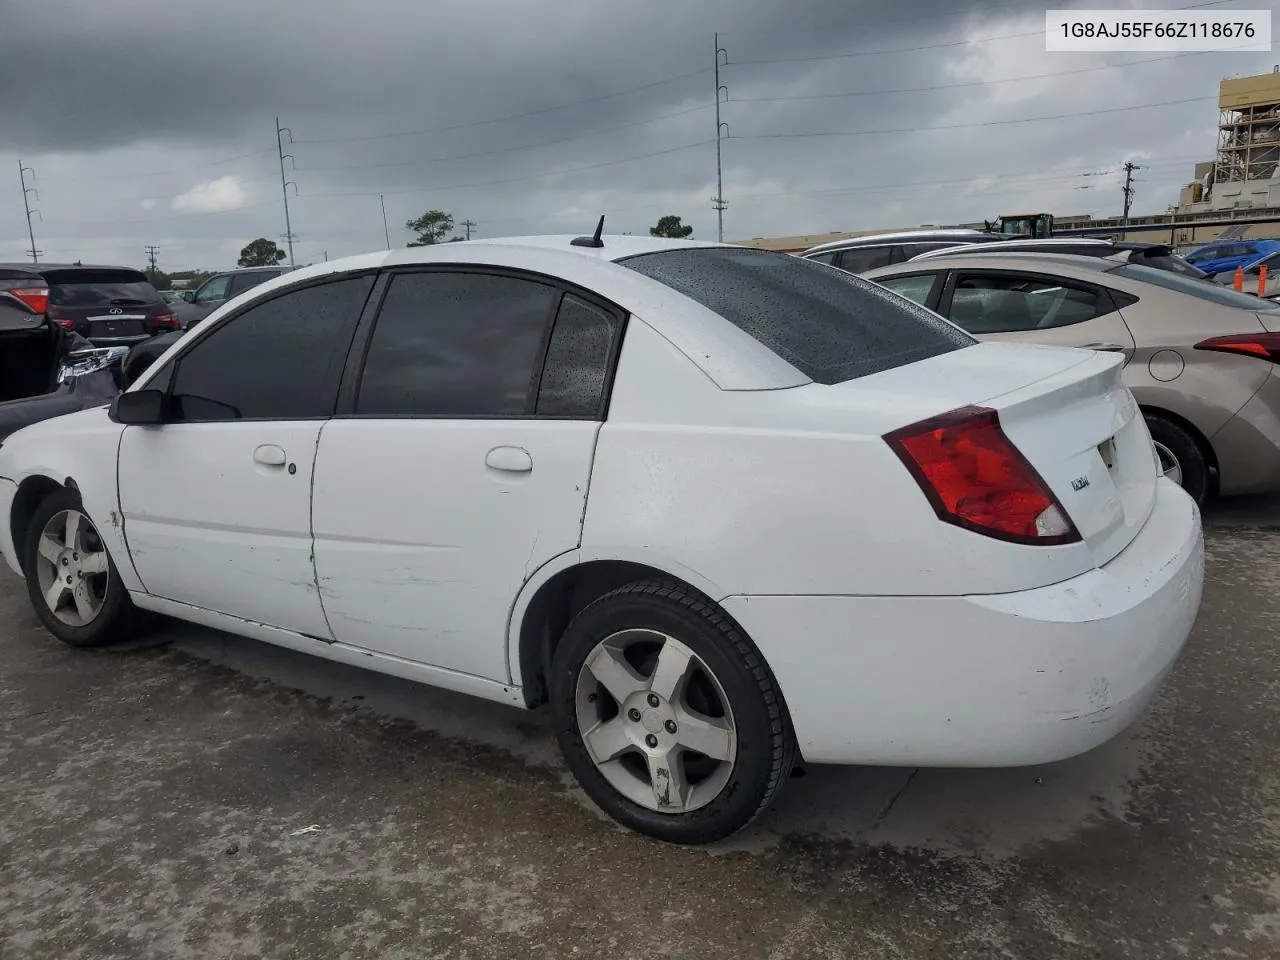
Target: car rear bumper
[(1248, 445), (998, 680)]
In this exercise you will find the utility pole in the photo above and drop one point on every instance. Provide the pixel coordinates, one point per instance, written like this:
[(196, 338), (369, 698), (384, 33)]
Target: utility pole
[(467, 225), (387, 233), (26, 203), (718, 202), (284, 184), (151, 256), (1129, 167)]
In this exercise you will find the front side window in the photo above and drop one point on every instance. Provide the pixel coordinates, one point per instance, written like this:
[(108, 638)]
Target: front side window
[(456, 345), (830, 325), (215, 289), (1008, 303), (915, 288), (278, 360)]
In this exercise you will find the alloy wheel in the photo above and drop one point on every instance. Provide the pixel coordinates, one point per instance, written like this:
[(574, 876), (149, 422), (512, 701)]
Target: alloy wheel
[(72, 568), (655, 721), (1169, 465)]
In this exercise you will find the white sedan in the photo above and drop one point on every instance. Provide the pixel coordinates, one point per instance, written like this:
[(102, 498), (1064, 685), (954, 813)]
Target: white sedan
[(723, 509)]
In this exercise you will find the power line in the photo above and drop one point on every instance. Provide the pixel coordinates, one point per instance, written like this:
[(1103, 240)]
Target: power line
[(498, 150), (165, 173), (385, 232), (512, 116), (534, 176), (967, 126)]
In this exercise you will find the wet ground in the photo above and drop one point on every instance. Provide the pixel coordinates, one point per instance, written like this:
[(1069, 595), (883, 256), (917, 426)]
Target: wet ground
[(202, 796)]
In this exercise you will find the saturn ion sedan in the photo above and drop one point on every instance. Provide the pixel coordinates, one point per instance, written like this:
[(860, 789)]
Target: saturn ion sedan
[(722, 509)]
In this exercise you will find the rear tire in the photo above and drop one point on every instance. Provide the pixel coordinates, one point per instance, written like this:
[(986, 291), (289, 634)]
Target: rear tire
[(71, 579), (644, 677), (1180, 457)]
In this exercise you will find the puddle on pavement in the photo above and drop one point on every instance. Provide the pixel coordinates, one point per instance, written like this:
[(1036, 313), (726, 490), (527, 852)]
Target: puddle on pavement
[(986, 813)]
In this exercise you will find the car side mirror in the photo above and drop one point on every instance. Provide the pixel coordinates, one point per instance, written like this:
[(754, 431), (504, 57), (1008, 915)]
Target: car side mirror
[(189, 296), (139, 408)]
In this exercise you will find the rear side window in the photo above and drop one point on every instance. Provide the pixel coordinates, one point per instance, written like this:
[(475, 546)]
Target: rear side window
[(579, 356), (100, 288), (279, 360), (831, 326), (456, 345), (862, 259)]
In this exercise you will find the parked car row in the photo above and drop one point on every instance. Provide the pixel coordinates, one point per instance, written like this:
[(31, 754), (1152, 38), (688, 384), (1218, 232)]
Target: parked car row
[(722, 510)]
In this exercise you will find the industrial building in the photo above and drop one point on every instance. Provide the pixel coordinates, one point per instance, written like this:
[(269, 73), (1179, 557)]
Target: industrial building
[(1241, 184)]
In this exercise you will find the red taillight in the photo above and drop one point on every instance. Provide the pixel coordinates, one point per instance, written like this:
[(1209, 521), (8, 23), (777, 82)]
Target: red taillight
[(56, 316), (37, 298), (975, 478), (1263, 345), (165, 319)]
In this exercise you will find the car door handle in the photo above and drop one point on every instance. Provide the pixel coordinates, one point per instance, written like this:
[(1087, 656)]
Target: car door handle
[(509, 459), (1109, 347), (269, 455)]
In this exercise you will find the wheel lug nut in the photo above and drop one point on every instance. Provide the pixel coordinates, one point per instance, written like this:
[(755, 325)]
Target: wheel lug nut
[(651, 740), (653, 700), (671, 726), (633, 715), (65, 561), (68, 579), (75, 556)]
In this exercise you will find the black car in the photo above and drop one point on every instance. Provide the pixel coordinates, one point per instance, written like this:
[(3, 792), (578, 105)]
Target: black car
[(220, 288), (46, 370), (108, 306)]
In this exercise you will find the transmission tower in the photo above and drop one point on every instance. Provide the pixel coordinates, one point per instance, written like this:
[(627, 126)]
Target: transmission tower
[(26, 204)]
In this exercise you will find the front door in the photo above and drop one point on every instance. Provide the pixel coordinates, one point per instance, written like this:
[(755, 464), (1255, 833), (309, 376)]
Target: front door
[(462, 465), (1009, 305), (217, 500)]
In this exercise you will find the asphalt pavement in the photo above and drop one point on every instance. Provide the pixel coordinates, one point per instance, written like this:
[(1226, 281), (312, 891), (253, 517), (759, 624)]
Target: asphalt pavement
[(202, 796)]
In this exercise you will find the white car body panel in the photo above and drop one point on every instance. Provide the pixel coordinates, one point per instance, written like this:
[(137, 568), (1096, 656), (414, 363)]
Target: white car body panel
[(209, 526), (421, 546), (895, 637)]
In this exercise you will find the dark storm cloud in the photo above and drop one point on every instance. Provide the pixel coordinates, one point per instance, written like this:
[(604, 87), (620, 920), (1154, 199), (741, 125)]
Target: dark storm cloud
[(152, 103)]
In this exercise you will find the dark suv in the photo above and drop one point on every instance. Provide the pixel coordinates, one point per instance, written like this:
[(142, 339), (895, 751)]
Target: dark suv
[(108, 306), (220, 288)]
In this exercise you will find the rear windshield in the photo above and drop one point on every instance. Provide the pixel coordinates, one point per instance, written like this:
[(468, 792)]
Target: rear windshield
[(1170, 262), (830, 325), (97, 288), (1211, 292)]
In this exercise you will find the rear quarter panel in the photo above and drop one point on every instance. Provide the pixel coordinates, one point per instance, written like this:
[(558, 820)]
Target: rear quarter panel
[(788, 491)]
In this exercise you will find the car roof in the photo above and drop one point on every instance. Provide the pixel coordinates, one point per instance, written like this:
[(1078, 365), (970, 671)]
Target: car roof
[(1019, 261), (902, 236), (614, 247)]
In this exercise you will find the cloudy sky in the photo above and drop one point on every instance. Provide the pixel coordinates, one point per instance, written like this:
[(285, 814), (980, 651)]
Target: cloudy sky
[(153, 121)]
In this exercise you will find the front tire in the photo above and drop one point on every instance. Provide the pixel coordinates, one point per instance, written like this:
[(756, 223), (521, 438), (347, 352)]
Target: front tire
[(71, 579), (667, 714)]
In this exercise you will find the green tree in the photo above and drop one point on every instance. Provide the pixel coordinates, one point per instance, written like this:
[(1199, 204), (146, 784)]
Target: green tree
[(261, 253), (670, 226), (432, 227)]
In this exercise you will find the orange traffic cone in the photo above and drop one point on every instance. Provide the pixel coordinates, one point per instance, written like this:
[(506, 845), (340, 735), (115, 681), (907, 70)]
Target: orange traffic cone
[(1262, 280), (1239, 284)]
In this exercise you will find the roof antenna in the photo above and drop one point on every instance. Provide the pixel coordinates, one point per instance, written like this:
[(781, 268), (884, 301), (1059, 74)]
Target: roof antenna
[(593, 241)]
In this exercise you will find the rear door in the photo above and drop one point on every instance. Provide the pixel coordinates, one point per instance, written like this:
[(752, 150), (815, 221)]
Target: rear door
[(997, 304), (461, 462)]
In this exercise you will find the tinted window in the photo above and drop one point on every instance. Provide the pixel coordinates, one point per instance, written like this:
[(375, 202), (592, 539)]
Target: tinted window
[(95, 288), (247, 281), (278, 360), (215, 289), (996, 303), (862, 259), (914, 288), (829, 325), (576, 370), (1204, 253), (455, 344), (1211, 292), (828, 258)]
